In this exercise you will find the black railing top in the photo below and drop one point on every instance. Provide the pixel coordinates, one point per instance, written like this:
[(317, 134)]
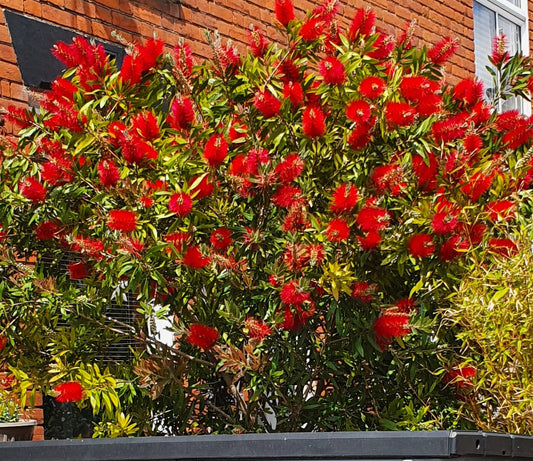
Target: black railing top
[(412, 446)]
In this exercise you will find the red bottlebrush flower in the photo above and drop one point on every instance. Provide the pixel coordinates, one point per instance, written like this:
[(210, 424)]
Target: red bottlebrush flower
[(389, 178), (431, 104), (201, 187), (237, 131), (258, 44), (480, 113), (421, 245), (267, 104), (358, 111), (194, 259), (180, 203), (425, 171), (46, 230), (311, 29), (77, 271), (183, 58), (178, 239), (372, 87), (519, 134), (63, 88), (147, 202), (122, 220), (372, 219), (286, 195), (292, 295), (91, 247), (229, 58), (469, 92), (460, 377), (363, 291), (181, 113), (295, 317), (451, 128), (501, 209), (295, 257), (383, 47), (116, 132), (221, 238), (32, 189), (399, 113), (406, 305), (202, 336), (290, 168), (296, 220), (508, 120), (131, 70), (257, 329), (255, 159), (290, 72), (132, 246), (452, 248), (415, 88), (284, 11), (472, 143), (332, 71), (150, 52), (327, 11), (108, 173), (443, 51), (362, 24), (338, 230), (135, 150), (313, 123), (499, 54), (18, 116), (344, 198), (316, 254), (474, 233), (391, 324), (3, 342), (69, 392), (238, 166), (361, 135), (478, 184), (294, 93), (216, 150), (502, 246), (145, 125), (445, 220), (370, 241)]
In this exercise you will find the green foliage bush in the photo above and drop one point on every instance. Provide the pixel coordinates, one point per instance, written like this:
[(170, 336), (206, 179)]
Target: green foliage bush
[(299, 214)]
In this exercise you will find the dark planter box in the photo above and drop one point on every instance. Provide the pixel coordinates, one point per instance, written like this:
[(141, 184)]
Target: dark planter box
[(21, 430), (336, 446)]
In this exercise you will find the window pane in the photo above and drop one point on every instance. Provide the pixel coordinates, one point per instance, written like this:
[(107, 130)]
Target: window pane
[(512, 32), (515, 2), (484, 33)]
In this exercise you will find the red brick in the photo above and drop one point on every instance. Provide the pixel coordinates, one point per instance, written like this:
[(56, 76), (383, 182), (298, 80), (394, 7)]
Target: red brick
[(61, 17), (17, 5), (113, 4), (10, 72), (19, 92), (4, 35), (33, 8), (145, 14), (84, 25), (38, 433), (123, 21), (59, 3)]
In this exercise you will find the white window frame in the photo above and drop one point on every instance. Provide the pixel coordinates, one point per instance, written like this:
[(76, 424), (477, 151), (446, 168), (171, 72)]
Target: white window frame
[(517, 15)]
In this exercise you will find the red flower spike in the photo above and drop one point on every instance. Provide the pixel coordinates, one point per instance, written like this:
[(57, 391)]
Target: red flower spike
[(69, 392), (499, 54), (443, 51), (203, 187), (406, 305), (257, 43), (451, 128), (311, 30), (286, 195), (372, 219), (389, 178), (295, 317), (289, 71), (364, 292), (313, 123), (267, 104), (183, 58), (290, 168), (257, 329), (478, 184), (194, 259), (338, 230), (370, 241), (292, 295), (372, 87), (33, 190), (399, 113), (344, 198), (294, 93), (284, 10), (108, 173), (122, 220), (452, 248), (181, 113), (501, 209), (180, 203), (77, 271), (421, 245), (469, 92), (460, 377), (332, 71), (426, 173), (3, 342), (503, 247), (391, 324), (216, 150), (178, 239), (202, 336), (358, 111), (47, 231), (416, 88), (221, 238), (362, 24), (145, 125)]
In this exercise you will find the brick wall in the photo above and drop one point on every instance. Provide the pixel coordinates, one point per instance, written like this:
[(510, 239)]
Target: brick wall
[(171, 19)]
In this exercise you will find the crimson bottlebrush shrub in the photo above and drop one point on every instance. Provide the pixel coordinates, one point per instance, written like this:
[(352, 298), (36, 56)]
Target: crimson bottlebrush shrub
[(297, 213)]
